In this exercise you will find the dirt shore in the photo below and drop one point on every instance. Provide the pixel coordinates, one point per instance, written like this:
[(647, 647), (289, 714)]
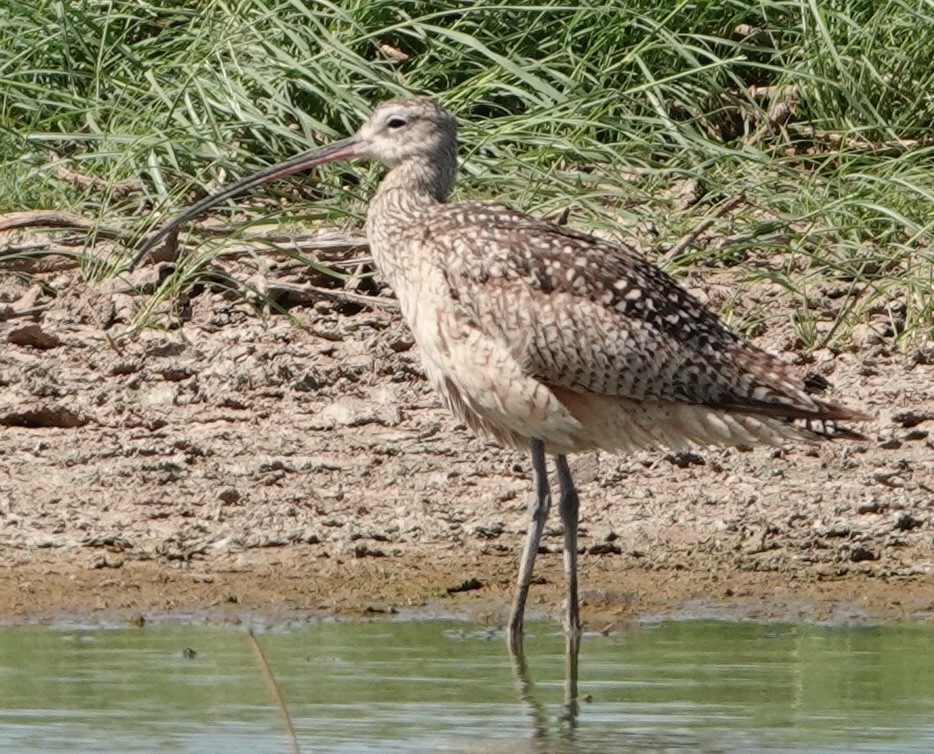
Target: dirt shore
[(289, 468)]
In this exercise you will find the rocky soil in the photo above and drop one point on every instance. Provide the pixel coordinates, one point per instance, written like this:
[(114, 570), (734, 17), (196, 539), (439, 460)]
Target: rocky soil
[(299, 465)]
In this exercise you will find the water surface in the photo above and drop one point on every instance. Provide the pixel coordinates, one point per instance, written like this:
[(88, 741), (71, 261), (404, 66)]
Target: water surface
[(441, 686)]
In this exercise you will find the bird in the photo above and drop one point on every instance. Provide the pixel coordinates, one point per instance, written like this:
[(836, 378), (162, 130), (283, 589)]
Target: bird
[(546, 338)]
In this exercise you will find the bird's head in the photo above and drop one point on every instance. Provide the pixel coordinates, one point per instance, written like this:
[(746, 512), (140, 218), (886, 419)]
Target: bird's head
[(406, 128)]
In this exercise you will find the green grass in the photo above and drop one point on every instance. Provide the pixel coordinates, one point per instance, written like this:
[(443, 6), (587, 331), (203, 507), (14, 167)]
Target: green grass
[(610, 110)]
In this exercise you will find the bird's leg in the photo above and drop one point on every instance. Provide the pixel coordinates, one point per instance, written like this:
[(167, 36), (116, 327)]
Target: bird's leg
[(568, 505), (538, 513)]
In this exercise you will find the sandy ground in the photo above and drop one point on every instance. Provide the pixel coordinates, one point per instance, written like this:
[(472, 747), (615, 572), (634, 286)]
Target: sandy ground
[(234, 465)]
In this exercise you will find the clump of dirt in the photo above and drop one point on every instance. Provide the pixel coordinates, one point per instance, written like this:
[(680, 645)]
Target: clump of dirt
[(303, 465)]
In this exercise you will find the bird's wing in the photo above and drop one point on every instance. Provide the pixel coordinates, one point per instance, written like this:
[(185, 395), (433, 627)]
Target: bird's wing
[(595, 317)]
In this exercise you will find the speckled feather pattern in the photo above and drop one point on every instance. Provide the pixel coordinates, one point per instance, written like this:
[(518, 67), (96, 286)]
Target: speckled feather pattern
[(528, 329)]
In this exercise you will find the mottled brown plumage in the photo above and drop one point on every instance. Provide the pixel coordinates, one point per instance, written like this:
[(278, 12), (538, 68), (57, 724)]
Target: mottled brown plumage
[(539, 335)]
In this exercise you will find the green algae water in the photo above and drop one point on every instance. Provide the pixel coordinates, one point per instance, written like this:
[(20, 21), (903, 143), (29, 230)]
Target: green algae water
[(442, 686)]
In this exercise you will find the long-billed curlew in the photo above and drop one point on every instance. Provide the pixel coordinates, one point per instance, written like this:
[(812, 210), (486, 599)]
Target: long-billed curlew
[(538, 335)]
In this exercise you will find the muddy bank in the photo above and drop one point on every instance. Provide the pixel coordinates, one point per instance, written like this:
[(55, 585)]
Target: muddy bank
[(295, 584), (236, 464)]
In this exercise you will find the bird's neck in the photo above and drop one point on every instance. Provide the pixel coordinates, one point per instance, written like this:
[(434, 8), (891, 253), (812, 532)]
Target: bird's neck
[(419, 181), (407, 195)]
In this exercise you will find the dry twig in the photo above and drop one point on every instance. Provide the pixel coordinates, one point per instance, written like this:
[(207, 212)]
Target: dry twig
[(331, 243), (51, 218), (34, 256), (120, 188), (893, 147), (728, 206)]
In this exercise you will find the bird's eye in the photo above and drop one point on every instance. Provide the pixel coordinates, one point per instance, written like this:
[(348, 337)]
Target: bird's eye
[(396, 122)]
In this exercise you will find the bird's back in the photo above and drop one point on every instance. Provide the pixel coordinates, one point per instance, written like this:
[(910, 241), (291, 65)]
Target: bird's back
[(528, 328)]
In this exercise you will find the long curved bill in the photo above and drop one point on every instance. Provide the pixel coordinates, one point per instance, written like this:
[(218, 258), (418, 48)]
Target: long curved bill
[(339, 150)]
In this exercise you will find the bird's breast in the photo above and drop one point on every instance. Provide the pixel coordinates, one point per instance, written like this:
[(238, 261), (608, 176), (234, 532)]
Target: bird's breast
[(478, 375)]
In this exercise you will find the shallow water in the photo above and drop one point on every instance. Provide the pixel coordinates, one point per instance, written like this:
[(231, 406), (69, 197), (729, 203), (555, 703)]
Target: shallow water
[(441, 686)]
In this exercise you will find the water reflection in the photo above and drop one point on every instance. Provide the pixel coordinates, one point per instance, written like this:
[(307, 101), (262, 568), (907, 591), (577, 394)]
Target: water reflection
[(538, 713), (451, 687)]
